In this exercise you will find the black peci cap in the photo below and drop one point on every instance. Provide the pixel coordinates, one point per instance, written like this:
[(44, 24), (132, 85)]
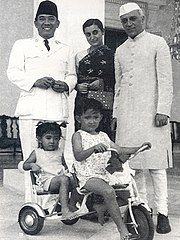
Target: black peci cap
[(47, 7)]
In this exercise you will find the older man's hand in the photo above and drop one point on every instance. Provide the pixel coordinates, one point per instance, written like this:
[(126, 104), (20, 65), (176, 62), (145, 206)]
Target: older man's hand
[(161, 120)]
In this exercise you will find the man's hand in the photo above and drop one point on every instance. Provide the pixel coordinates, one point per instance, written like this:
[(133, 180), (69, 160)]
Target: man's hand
[(60, 86), (44, 82), (161, 120)]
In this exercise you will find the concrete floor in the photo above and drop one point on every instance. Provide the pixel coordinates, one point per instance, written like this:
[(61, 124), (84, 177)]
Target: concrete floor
[(11, 203)]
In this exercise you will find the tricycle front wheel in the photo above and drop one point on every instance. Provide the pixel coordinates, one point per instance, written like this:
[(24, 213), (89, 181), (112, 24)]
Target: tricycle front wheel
[(144, 221)]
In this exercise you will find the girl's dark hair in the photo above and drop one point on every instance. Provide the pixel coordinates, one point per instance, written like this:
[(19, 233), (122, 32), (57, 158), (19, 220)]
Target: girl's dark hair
[(47, 127), (89, 103), (93, 21)]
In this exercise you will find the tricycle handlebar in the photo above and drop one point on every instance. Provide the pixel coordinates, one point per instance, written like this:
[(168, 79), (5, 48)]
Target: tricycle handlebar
[(143, 148)]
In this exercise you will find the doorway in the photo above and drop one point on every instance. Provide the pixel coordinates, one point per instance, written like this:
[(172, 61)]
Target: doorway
[(114, 38)]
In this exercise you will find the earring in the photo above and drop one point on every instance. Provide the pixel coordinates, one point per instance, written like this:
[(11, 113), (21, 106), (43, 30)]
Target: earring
[(39, 144)]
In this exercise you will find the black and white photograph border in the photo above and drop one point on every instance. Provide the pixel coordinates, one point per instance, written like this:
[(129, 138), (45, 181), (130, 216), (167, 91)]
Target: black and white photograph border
[(17, 18)]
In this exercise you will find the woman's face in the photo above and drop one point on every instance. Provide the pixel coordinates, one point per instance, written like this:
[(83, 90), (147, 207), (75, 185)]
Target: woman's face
[(94, 35)]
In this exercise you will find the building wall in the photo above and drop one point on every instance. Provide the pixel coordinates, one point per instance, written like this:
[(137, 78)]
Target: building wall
[(160, 18), (112, 12), (16, 22)]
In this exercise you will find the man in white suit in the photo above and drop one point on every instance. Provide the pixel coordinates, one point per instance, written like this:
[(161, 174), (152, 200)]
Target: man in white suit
[(143, 97), (44, 70)]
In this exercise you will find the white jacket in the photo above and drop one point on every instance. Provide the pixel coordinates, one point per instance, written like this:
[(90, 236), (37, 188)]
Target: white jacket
[(29, 61)]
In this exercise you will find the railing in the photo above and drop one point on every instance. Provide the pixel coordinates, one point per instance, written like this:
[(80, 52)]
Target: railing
[(9, 135), (10, 140)]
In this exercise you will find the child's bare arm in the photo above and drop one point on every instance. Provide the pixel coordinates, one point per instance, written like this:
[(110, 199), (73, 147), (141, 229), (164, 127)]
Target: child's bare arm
[(81, 154), (30, 163), (64, 162)]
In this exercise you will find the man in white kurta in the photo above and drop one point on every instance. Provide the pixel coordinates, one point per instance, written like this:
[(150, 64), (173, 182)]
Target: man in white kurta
[(143, 97), (45, 77)]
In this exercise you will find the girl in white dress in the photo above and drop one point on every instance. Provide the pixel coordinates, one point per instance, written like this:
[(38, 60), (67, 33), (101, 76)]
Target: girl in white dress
[(48, 160), (91, 157)]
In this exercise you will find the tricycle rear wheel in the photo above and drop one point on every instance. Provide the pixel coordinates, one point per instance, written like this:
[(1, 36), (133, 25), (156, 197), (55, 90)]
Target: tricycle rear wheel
[(30, 221)]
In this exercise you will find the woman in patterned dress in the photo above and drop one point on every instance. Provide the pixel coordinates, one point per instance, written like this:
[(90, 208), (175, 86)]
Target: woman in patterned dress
[(95, 70)]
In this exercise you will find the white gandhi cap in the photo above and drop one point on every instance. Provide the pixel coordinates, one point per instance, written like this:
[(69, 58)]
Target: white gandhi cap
[(128, 7)]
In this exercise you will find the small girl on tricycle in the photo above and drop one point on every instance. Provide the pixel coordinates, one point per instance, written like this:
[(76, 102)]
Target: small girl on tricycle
[(91, 157)]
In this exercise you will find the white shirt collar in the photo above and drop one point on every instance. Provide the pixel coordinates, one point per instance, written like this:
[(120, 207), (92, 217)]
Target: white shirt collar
[(138, 36), (50, 40)]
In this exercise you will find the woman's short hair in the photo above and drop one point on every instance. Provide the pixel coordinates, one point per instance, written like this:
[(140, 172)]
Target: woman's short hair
[(48, 127), (93, 21)]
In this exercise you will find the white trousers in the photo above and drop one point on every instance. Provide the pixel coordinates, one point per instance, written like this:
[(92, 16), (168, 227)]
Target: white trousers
[(27, 129), (159, 182)]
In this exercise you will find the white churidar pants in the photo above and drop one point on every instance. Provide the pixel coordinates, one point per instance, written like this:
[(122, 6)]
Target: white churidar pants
[(159, 182)]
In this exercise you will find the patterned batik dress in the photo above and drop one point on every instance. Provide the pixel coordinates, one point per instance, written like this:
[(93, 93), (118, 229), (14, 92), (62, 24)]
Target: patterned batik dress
[(95, 165)]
